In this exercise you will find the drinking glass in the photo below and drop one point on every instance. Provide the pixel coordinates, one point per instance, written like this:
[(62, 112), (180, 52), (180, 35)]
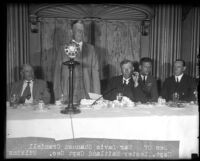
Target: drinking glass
[(62, 99), (196, 96), (175, 97), (14, 100), (119, 97)]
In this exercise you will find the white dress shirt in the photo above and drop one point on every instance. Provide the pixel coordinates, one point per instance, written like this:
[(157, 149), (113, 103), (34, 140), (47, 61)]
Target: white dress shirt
[(179, 77), (80, 44), (31, 88), (144, 77), (126, 81)]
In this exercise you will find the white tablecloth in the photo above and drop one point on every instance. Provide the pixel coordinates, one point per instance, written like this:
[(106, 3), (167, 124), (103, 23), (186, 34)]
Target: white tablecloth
[(144, 122)]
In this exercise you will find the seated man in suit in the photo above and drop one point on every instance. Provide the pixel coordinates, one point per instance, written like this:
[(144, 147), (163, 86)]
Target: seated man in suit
[(179, 83), (30, 90), (127, 84), (147, 81)]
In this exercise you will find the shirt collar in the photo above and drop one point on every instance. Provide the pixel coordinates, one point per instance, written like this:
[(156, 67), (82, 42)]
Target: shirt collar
[(179, 77), (26, 81), (80, 43), (142, 76), (126, 79)]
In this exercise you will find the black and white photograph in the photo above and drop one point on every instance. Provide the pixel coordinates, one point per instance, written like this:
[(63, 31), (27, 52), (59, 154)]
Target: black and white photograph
[(102, 81)]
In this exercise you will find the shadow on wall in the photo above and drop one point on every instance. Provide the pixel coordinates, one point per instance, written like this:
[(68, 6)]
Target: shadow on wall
[(103, 66), (17, 77), (189, 69), (38, 72), (40, 75), (136, 66), (168, 73), (159, 86), (106, 69), (158, 80), (104, 82)]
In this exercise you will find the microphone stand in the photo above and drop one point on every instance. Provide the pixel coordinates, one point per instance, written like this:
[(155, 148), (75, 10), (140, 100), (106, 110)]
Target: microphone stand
[(103, 95), (71, 108)]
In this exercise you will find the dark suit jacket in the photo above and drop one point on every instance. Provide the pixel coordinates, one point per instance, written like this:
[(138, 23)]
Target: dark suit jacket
[(115, 86), (149, 88), (185, 88), (40, 90)]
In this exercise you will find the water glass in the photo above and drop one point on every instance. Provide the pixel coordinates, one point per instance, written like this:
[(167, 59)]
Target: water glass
[(62, 99), (175, 97), (41, 105), (119, 97), (196, 96), (14, 101)]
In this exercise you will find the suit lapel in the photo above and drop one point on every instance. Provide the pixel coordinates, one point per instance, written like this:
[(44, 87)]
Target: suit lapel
[(147, 79), (120, 81), (176, 85), (141, 82), (174, 79), (131, 83), (20, 87), (182, 79), (140, 79)]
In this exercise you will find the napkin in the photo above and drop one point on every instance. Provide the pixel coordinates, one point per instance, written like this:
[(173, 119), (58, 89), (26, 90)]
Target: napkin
[(94, 96)]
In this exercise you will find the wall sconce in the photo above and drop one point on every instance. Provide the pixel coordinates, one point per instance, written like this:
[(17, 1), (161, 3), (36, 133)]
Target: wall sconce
[(34, 23), (145, 27)]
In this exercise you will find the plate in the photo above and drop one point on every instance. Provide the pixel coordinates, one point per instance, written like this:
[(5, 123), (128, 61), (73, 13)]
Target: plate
[(176, 105)]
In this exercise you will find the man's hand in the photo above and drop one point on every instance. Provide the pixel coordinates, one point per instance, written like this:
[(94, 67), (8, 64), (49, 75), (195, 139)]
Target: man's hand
[(135, 77)]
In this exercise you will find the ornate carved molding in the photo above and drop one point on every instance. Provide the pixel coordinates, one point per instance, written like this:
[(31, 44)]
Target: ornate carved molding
[(94, 11)]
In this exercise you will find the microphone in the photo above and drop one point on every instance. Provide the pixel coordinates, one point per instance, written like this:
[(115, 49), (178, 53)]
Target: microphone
[(104, 95)]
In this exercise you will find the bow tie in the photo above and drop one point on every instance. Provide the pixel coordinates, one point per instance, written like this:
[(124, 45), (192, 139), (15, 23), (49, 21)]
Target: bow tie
[(78, 43), (125, 81)]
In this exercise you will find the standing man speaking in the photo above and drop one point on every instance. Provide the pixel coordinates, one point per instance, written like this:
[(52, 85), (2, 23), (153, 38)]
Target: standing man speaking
[(86, 75)]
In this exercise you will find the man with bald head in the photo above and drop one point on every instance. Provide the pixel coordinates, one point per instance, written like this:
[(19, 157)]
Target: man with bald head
[(30, 90)]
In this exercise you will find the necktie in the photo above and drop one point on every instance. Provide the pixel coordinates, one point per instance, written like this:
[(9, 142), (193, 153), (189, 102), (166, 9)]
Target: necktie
[(177, 80), (143, 80), (125, 82), (27, 91)]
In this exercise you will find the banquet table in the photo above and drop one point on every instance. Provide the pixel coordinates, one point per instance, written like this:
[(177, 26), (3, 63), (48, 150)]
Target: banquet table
[(141, 122)]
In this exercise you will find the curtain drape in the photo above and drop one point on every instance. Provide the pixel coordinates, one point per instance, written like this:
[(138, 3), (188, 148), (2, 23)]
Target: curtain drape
[(165, 39), (113, 42), (194, 44), (17, 41), (55, 32)]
